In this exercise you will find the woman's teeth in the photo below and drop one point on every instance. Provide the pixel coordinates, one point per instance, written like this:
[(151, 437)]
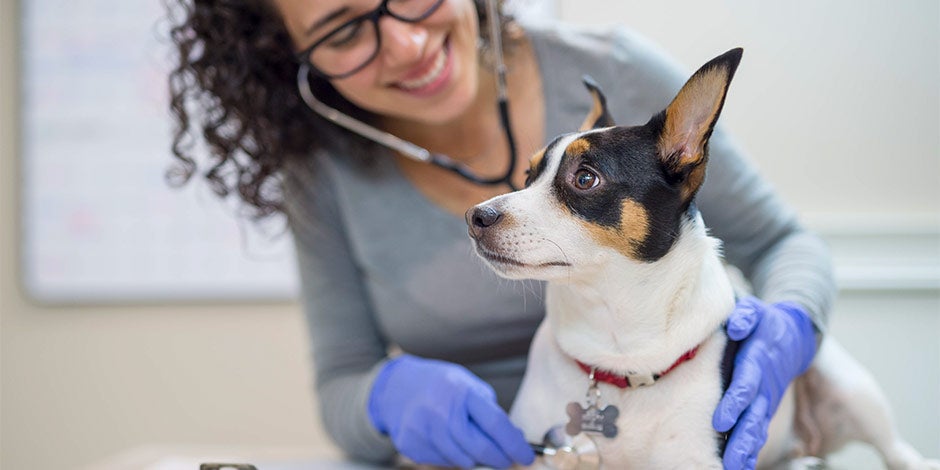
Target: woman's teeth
[(433, 73)]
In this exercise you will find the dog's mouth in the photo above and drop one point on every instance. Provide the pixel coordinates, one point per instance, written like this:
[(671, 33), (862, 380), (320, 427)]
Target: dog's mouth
[(497, 258), (500, 259)]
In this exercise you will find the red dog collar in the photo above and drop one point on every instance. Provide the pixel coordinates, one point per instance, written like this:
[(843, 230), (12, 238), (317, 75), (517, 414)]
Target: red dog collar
[(634, 380)]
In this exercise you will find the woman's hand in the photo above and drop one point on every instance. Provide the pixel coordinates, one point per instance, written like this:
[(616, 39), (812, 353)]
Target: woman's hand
[(779, 344), (439, 413)]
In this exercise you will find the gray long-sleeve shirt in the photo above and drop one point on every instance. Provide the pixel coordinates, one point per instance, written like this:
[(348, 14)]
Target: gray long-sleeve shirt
[(382, 266)]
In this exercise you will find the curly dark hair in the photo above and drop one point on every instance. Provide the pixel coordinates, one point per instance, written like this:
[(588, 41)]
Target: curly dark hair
[(234, 83)]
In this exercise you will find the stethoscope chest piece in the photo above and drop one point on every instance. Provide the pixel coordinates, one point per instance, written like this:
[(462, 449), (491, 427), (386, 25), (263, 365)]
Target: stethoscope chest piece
[(563, 452)]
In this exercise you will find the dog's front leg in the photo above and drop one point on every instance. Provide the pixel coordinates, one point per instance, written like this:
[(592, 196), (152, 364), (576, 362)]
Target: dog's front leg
[(541, 400)]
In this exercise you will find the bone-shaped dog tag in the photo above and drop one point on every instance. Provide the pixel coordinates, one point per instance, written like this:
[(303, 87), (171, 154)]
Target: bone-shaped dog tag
[(591, 419)]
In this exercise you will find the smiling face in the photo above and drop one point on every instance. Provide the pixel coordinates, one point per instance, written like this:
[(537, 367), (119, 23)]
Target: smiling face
[(425, 71)]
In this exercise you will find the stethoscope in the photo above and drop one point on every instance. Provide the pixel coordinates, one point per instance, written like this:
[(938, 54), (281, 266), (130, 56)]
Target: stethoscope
[(560, 451), (413, 151)]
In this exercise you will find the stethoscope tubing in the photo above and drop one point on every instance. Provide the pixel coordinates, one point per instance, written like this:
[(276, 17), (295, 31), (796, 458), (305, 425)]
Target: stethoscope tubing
[(409, 149), (446, 162), (414, 151)]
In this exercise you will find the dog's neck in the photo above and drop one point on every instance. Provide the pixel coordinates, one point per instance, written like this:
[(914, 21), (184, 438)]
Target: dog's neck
[(632, 317)]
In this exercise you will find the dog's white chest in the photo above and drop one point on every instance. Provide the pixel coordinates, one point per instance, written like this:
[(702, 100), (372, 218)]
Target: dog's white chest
[(666, 425)]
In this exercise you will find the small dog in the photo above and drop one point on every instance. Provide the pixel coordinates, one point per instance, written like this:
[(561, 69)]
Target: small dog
[(637, 297)]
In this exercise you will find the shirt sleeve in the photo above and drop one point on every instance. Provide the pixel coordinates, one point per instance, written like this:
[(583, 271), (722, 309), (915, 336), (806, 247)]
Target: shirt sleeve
[(761, 234), (347, 347)]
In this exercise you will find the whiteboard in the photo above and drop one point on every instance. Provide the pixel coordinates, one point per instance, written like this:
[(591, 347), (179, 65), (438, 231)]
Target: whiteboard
[(99, 222)]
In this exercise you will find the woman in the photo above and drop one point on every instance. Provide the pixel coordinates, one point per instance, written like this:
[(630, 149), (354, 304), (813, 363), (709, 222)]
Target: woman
[(384, 260)]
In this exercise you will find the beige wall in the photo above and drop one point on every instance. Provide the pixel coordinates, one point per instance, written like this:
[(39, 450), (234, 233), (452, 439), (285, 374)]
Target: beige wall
[(80, 383)]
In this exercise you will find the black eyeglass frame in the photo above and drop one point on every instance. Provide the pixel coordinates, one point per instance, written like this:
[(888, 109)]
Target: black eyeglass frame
[(373, 16)]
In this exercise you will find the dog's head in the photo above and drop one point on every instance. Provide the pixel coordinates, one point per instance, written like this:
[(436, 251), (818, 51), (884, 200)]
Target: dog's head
[(606, 190)]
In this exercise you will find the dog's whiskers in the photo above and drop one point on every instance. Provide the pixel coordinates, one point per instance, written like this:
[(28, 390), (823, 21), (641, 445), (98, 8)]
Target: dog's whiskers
[(563, 254)]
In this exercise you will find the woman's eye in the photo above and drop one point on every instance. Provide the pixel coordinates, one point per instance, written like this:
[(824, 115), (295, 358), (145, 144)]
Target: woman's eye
[(585, 179), (346, 36)]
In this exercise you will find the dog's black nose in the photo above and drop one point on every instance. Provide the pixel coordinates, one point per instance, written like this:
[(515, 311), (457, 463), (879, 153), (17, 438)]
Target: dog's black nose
[(485, 216), (481, 217)]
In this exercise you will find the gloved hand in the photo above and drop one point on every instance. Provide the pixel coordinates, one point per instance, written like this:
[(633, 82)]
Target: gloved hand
[(439, 413), (779, 344)]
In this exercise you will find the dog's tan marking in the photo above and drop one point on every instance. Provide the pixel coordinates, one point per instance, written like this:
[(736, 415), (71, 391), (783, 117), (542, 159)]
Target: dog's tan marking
[(578, 147), (597, 110), (536, 159), (508, 221), (695, 180), (690, 115), (688, 120), (632, 232), (599, 116)]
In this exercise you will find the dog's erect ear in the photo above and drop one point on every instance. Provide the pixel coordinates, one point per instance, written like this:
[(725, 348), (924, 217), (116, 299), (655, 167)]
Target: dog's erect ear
[(690, 119), (599, 116)]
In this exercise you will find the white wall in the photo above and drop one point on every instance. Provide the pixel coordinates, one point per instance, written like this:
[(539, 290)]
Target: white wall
[(837, 100)]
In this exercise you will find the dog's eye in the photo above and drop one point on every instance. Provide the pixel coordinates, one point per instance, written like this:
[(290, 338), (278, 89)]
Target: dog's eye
[(585, 179)]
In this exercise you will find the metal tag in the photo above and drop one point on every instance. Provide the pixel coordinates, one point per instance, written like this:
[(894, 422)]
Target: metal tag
[(592, 420)]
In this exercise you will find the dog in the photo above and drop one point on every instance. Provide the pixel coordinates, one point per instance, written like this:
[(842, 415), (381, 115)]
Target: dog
[(637, 294)]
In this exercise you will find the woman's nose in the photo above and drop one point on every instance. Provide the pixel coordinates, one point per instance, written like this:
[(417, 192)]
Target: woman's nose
[(402, 42)]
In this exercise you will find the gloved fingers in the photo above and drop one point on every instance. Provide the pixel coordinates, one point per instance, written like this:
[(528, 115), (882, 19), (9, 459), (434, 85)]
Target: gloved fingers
[(745, 382), (748, 437), (760, 422), (802, 333), (446, 445), (495, 423), (480, 447), (744, 318), (751, 463), (419, 450)]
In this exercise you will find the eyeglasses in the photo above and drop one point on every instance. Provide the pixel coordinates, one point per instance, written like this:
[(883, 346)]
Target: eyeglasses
[(349, 47), (402, 146)]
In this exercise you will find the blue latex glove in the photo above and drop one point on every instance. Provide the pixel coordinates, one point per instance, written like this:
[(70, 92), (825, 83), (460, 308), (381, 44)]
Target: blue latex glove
[(779, 344), (439, 413)]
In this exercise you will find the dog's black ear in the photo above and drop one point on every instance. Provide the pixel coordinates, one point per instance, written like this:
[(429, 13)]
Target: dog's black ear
[(689, 120), (599, 116)]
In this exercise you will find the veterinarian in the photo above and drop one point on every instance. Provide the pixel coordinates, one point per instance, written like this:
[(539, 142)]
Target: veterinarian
[(373, 125)]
